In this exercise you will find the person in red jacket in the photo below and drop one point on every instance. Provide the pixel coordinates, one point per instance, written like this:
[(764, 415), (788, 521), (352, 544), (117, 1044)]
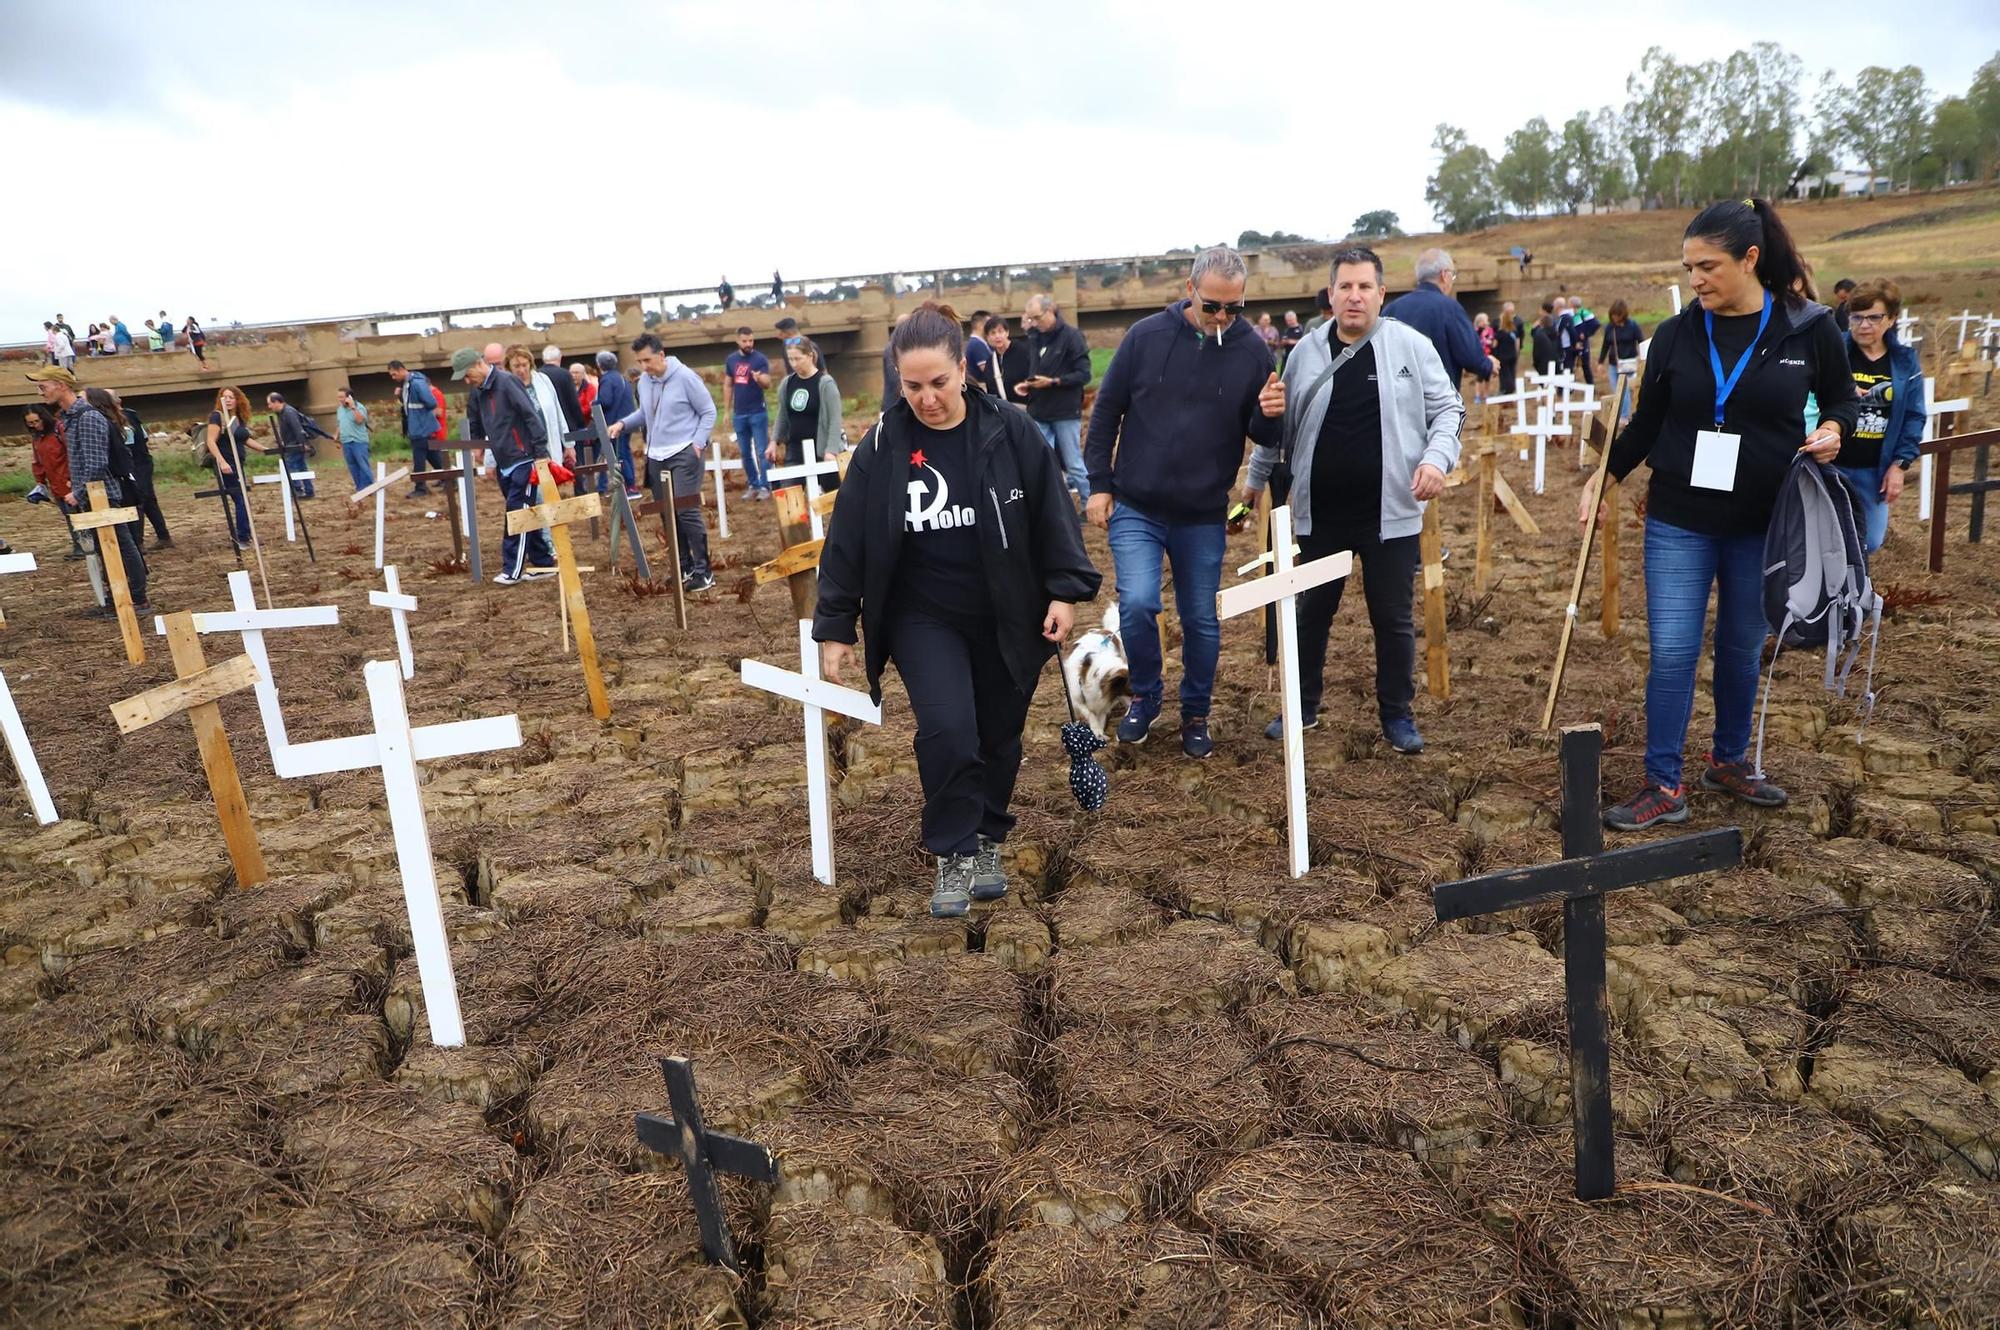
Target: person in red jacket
[(444, 426), (49, 460)]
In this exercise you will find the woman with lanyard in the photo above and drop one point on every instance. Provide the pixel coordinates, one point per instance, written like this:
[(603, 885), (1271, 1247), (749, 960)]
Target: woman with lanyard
[(1721, 414), (808, 408), (955, 550), (1889, 426), (228, 440)]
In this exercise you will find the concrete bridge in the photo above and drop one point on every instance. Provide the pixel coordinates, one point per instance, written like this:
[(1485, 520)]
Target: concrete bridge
[(850, 318)]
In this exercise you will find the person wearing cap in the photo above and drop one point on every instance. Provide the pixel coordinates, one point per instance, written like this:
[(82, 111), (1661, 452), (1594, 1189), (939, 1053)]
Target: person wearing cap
[(678, 416), (418, 409), (88, 440), (500, 406), (614, 394)]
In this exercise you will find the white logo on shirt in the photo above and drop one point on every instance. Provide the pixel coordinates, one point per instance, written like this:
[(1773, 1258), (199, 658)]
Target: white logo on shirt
[(938, 514)]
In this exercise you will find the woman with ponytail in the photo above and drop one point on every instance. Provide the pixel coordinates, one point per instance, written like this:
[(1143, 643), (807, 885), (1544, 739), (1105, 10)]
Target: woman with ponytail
[(955, 552), (1721, 415)]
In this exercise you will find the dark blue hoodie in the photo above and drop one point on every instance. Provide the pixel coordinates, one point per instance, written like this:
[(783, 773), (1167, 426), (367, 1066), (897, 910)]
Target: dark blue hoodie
[(1179, 405)]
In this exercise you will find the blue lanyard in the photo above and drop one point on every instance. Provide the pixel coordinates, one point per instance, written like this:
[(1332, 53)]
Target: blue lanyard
[(1726, 386)]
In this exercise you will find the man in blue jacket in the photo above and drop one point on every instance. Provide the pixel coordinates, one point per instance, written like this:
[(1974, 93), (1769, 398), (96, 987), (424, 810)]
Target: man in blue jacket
[(1433, 311), (516, 435), (614, 395), (1184, 390), (420, 422)]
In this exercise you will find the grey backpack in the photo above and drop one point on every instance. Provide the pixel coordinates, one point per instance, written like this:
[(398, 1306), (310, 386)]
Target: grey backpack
[(1816, 586)]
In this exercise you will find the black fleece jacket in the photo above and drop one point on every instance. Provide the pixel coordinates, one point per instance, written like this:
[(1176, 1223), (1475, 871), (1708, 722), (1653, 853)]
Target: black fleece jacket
[(1062, 355), (1178, 404), (1030, 543), (1800, 352)]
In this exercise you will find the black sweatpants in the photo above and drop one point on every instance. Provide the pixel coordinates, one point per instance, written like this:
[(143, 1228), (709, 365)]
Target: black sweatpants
[(148, 501), (969, 721), (681, 476), (124, 494), (1388, 579)]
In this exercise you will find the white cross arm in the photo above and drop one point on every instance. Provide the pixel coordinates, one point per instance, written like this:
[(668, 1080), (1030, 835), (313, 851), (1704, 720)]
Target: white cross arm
[(803, 470), (1260, 561), (387, 601), (1559, 428), (428, 742), (241, 621), (721, 463), (385, 482), (287, 475), (17, 563), (1265, 590), (812, 692)]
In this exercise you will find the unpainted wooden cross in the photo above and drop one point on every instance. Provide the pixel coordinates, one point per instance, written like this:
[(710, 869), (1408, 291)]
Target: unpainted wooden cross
[(1607, 502), (1580, 880), (463, 504), (101, 516), (196, 690), (1281, 587), (252, 623), (379, 491), (704, 1154), (818, 697), (13, 731), (799, 515), (809, 471), (622, 520), (400, 607), (554, 514)]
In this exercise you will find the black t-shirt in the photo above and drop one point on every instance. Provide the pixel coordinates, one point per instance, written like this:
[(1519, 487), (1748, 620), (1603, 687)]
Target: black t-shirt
[(1874, 385), (1733, 335), (940, 572), (235, 438), (801, 408), (1345, 491)]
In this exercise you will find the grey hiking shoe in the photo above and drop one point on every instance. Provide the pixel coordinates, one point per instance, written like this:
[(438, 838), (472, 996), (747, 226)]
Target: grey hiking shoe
[(952, 896), (989, 880)]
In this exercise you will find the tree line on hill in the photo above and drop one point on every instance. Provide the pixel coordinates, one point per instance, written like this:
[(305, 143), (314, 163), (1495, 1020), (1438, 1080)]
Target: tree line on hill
[(1690, 132)]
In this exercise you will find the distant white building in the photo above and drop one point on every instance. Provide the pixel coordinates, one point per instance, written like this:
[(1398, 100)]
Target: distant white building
[(1844, 183)]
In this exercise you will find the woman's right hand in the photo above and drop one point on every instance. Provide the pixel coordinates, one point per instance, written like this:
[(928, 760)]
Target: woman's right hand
[(223, 468), (833, 658), (1587, 502)]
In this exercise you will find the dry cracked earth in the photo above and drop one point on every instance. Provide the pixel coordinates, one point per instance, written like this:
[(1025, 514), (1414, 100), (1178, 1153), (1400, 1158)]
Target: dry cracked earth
[(1161, 1085)]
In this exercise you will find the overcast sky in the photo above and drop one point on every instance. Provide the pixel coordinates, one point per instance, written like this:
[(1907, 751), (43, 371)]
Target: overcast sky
[(266, 160)]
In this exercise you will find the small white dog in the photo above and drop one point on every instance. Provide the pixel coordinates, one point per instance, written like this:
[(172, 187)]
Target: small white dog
[(1097, 673)]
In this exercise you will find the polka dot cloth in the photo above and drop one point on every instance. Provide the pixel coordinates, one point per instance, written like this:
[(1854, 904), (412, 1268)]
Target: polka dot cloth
[(1090, 783)]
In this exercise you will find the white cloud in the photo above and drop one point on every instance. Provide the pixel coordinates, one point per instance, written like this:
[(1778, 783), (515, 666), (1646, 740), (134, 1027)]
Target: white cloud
[(269, 162)]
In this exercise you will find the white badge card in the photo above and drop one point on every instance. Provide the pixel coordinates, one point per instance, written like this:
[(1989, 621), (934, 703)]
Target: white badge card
[(1715, 460)]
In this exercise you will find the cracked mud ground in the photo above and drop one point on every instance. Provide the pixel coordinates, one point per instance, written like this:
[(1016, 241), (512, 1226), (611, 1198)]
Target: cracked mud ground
[(1161, 1085)]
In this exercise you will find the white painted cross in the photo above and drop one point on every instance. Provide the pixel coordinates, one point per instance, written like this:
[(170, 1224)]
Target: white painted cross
[(1675, 292), (1932, 410), (279, 479), (400, 607), (252, 623), (1905, 322), (811, 469), (717, 464), (1964, 320), (13, 731), (380, 492), (819, 698), (1282, 587), (1542, 430)]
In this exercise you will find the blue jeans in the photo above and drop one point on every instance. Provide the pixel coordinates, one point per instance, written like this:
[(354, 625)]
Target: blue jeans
[(1137, 544), (1618, 383), (295, 460), (753, 434), (1066, 437), (1681, 565), (1871, 510), (533, 548), (360, 468)]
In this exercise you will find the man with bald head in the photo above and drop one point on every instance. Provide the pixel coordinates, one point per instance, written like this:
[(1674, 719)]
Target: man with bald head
[(419, 415)]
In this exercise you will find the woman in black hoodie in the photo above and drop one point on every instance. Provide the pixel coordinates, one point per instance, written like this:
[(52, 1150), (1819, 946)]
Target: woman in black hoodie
[(1720, 416), (956, 552)]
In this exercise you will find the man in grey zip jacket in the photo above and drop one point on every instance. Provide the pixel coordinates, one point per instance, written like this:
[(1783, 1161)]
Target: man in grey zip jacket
[(1370, 431)]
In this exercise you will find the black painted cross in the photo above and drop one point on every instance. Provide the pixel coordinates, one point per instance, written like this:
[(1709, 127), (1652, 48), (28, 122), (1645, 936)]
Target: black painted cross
[(597, 437), (704, 1153), (1580, 880)]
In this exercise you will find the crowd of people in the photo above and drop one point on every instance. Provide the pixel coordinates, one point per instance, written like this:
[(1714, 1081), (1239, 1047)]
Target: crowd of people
[(113, 337), (956, 554)]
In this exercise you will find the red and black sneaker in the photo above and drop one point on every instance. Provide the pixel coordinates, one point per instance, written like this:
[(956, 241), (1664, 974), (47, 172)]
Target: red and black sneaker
[(1653, 803), (1741, 780)]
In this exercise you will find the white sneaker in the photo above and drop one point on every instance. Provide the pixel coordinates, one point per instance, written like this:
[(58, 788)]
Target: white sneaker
[(506, 579)]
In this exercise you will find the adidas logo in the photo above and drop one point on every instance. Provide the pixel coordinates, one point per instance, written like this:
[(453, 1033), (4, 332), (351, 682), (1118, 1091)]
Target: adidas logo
[(1403, 373)]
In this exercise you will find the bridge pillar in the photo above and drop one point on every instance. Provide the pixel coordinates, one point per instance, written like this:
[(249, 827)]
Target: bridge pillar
[(1064, 290), (860, 365), (326, 369)]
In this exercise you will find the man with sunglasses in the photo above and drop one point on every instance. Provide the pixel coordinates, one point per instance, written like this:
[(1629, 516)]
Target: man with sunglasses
[(1186, 388)]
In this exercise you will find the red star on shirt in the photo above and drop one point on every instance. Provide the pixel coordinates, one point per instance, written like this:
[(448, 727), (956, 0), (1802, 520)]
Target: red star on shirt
[(917, 458)]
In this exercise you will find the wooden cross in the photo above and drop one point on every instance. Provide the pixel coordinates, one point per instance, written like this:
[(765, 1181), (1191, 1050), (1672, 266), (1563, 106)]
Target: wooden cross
[(717, 464), (196, 691), (1940, 419), (1281, 588), (249, 621), (1580, 880), (100, 516), (597, 434), (1603, 481), (1942, 489), (13, 731), (810, 471), (1965, 319), (819, 697), (802, 537), (665, 509), (1906, 322), (1437, 659), (554, 514), (295, 518), (703, 1153), (379, 491), (395, 747), (400, 608), (464, 500)]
